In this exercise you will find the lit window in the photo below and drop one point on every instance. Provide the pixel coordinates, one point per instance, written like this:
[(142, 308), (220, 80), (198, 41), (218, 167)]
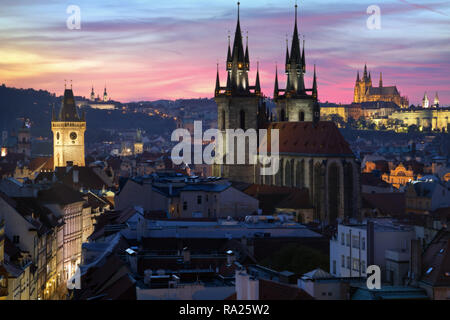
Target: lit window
[(429, 270)]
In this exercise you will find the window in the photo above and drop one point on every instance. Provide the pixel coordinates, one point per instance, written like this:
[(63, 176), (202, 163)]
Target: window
[(334, 266), (343, 261), (199, 199), (342, 239), (355, 264), (348, 262), (355, 242), (282, 115), (185, 205), (363, 266), (363, 243), (348, 240), (223, 119), (16, 239), (242, 120), (301, 116)]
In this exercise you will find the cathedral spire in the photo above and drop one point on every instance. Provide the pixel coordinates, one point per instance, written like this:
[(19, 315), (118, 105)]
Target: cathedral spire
[(381, 80), (238, 49), (365, 72), (275, 90), (287, 54), (247, 58), (303, 56), (257, 84), (314, 88), (217, 90), (357, 77), (295, 49), (229, 59)]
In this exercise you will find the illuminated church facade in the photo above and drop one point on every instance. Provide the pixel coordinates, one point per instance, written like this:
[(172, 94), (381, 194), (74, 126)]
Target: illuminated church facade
[(366, 92)]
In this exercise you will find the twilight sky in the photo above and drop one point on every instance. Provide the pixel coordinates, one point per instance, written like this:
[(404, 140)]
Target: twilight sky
[(148, 49)]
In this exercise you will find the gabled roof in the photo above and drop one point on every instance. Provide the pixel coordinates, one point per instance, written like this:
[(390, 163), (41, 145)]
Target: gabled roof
[(370, 179), (317, 274), (382, 91), (298, 199), (307, 138), (391, 204), (436, 261), (60, 194), (41, 163)]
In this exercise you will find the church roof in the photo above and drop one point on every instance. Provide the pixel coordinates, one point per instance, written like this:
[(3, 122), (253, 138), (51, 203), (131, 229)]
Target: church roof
[(323, 138), (68, 110), (383, 91)]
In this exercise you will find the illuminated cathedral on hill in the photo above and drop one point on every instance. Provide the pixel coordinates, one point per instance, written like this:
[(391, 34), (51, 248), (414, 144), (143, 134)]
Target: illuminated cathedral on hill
[(365, 92)]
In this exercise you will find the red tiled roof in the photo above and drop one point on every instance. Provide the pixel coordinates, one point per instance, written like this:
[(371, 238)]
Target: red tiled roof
[(324, 138), (45, 162)]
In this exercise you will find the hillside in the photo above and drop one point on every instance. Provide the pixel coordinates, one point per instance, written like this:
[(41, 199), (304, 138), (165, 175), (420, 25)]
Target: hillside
[(17, 104)]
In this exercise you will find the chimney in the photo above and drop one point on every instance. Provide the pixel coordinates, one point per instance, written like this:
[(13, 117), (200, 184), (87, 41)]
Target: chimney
[(69, 165), (186, 255), (75, 175), (253, 289), (230, 257)]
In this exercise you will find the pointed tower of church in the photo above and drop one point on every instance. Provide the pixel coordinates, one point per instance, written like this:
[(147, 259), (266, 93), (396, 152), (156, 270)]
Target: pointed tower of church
[(92, 94), (105, 95), (294, 103), (239, 104), (425, 101), (68, 133), (436, 100)]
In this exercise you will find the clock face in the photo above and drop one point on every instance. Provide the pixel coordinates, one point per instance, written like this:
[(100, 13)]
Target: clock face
[(73, 135)]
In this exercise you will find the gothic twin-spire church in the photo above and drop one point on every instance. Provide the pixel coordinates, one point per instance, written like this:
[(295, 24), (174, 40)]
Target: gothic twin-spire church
[(313, 154)]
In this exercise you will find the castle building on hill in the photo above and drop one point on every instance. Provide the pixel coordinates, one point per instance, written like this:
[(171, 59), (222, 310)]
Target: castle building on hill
[(365, 92), (313, 154), (68, 133)]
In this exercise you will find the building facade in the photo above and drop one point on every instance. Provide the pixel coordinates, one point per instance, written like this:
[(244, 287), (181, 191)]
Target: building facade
[(424, 118)]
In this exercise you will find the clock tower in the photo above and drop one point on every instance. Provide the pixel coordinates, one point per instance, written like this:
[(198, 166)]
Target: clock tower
[(68, 133)]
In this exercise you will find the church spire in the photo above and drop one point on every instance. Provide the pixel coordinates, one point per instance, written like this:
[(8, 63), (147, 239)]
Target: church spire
[(276, 90), (217, 90), (357, 77), (303, 56), (247, 58), (229, 59), (381, 80), (365, 72), (295, 49), (257, 84), (287, 54), (238, 49), (314, 88)]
